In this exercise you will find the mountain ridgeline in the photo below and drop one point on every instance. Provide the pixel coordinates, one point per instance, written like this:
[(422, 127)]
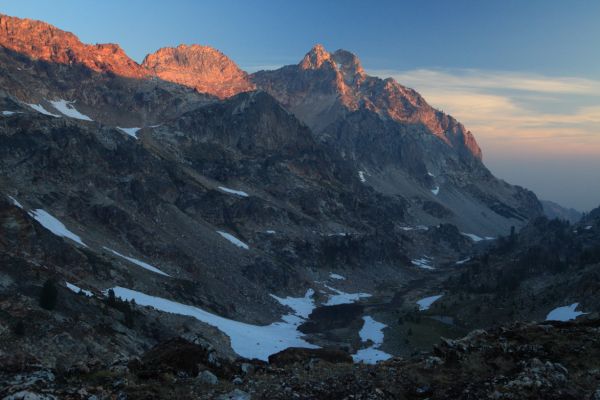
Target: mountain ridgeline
[(186, 214)]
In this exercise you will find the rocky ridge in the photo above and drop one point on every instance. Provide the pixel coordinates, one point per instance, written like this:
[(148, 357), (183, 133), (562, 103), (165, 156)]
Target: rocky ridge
[(234, 200), (201, 67)]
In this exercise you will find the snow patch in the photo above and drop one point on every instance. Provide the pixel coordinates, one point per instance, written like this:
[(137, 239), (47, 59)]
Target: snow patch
[(233, 240), (423, 262), (42, 110), (336, 276), (412, 228), (361, 176), (138, 262), (476, 238), (77, 290), (302, 306), (370, 355), (430, 174), (426, 302), (232, 191), (338, 234), (435, 190), (342, 297), (54, 225), (8, 113), (461, 262), (270, 232), (129, 131), (15, 202), (371, 330), (247, 340), (587, 228), (565, 313), (65, 107)]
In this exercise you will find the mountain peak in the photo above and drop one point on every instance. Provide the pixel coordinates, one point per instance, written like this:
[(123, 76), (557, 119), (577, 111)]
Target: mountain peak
[(202, 67), (349, 65), (42, 41), (315, 58)]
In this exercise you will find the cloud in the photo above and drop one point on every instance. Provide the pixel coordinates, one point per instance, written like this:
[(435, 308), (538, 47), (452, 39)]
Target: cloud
[(473, 78), (512, 111), (541, 132)]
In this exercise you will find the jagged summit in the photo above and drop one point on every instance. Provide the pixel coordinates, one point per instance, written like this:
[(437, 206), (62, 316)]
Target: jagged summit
[(349, 64), (40, 40), (387, 131), (326, 86), (315, 58), (345, 64), (202, 67)]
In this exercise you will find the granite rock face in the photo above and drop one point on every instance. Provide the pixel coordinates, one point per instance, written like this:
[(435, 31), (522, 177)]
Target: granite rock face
[(201, 67), (42, 41), (399, 144)]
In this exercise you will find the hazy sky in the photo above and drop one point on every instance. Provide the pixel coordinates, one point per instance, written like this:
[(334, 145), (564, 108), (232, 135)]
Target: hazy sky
[(523, 76)]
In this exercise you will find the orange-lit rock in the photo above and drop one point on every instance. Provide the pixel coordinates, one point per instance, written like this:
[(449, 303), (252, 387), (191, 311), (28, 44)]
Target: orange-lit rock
[(43, 41), (201, 67), (325, 86)]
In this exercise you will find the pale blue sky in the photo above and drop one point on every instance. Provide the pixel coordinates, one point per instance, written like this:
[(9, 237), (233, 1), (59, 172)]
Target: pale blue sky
[(524, 76)]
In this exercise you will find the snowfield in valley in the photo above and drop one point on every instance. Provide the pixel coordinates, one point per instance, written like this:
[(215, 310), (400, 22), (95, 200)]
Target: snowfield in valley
[(373, 331), (565, 313), (426, 302), (342, 297), (302, 306), (247, 340)]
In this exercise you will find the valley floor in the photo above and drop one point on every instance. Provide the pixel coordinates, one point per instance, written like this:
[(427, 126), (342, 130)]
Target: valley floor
[(553, 360)]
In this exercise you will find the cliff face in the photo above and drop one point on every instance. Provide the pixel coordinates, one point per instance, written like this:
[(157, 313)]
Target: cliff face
[(43, 41), (201, 67), (326, 86), (398, 142)]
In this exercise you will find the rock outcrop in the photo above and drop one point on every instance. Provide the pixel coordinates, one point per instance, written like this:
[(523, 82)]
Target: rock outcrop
[(201, 67), (325, 82), (399, 144), (41, 41)]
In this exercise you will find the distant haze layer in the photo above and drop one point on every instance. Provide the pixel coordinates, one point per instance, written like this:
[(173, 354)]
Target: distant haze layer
[(540, 132)]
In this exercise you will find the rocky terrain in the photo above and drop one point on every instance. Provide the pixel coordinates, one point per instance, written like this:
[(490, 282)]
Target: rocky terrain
[(168, 228), (205, 69), (553, 210), (523, 361), (398, 143)]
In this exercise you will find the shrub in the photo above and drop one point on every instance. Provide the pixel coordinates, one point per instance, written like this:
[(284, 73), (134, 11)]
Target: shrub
[(49, 295)]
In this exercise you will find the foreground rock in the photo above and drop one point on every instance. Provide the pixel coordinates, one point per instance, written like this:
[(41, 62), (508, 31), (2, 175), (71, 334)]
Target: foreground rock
[(522, 361)]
